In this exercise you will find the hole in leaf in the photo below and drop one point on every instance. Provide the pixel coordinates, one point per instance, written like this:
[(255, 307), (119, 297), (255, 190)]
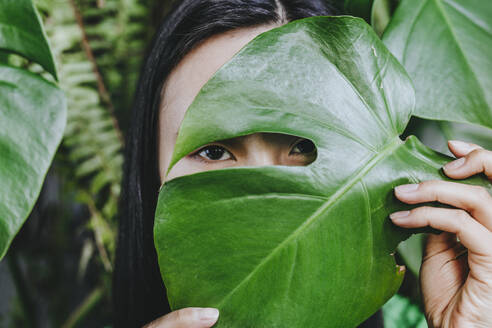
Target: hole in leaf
[(251, 150), (258, 149)]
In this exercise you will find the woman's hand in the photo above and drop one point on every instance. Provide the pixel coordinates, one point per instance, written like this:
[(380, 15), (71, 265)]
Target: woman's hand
[(456, 276), (191, 317)]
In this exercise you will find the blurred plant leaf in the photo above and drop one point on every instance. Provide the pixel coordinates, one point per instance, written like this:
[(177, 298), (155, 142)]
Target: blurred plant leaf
[(92, 144), (359, 8), (21, 32), (120, 41), (399, 312), (445, 46), (467, 132), (33, 113), (381, 14), (436, 133), (375, 12), (267, 244), (4, 57), (412, 250)]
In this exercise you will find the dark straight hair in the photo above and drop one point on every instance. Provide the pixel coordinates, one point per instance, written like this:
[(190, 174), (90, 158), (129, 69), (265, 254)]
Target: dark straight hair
[(139, 295)]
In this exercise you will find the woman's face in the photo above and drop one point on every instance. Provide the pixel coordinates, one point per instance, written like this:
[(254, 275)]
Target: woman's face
[(184, 83)]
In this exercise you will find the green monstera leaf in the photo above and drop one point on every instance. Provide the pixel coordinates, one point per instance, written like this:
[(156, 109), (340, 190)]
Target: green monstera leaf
[(21, 32), (32, 117), (445, 46), (295, 246)]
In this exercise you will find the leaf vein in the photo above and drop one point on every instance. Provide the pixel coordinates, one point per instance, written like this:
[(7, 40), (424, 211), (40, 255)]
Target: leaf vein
[(273, 195), (412, 28), (460, 48)]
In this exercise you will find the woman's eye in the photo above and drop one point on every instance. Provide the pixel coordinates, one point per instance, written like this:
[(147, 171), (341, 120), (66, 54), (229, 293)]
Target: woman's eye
[(214, 153), (305, 146)]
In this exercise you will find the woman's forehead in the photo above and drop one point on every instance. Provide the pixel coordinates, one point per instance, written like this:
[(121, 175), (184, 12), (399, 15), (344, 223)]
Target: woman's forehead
[(197, 67)]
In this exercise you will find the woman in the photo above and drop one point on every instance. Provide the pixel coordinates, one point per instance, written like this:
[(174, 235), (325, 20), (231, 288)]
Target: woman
[(195, 39)]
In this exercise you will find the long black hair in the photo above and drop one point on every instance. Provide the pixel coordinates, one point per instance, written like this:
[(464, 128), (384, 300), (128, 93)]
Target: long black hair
[(139, 295)]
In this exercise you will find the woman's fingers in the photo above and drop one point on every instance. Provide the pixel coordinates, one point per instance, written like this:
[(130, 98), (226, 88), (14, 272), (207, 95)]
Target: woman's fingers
[(473, 159), (190, 317), (474, 199), (461, 148), (472, 234)]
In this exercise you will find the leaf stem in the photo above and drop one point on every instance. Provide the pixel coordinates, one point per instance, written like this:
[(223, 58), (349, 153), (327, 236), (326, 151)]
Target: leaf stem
[(84, 308), (103, 92)]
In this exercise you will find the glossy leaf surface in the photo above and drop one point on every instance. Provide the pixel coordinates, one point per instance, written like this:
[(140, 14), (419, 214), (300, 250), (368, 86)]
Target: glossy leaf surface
[(292, 246), (33, 117), (446, 47), (21, 32)]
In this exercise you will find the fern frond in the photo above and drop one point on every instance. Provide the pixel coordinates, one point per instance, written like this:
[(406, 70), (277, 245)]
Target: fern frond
[(92, 56)]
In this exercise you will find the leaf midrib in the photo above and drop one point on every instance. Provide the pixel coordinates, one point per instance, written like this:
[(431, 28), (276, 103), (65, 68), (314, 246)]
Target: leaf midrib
[(388, 149)]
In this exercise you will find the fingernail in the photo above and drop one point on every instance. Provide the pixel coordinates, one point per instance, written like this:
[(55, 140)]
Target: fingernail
[(407, 188), (209, 314), (460, 146), (399, 215), (455, 164)]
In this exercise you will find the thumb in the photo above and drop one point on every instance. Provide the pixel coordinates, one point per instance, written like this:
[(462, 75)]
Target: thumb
[(190, 317)]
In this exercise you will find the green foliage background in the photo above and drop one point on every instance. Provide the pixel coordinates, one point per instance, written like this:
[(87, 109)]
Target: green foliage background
[(61, 261)]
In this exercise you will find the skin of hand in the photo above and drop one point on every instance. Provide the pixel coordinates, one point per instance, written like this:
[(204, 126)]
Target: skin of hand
[(190, 317), (456, 271)]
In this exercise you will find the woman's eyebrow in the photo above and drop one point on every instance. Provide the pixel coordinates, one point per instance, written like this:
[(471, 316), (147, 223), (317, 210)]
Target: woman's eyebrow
[(234, 142), (241, 140)]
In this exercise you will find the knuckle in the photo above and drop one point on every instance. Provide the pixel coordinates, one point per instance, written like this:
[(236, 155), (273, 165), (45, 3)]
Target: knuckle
[(482, 193), (184, 315), (428, 183), (462, 216), (477, 154), (432, 187), (423, 211)]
